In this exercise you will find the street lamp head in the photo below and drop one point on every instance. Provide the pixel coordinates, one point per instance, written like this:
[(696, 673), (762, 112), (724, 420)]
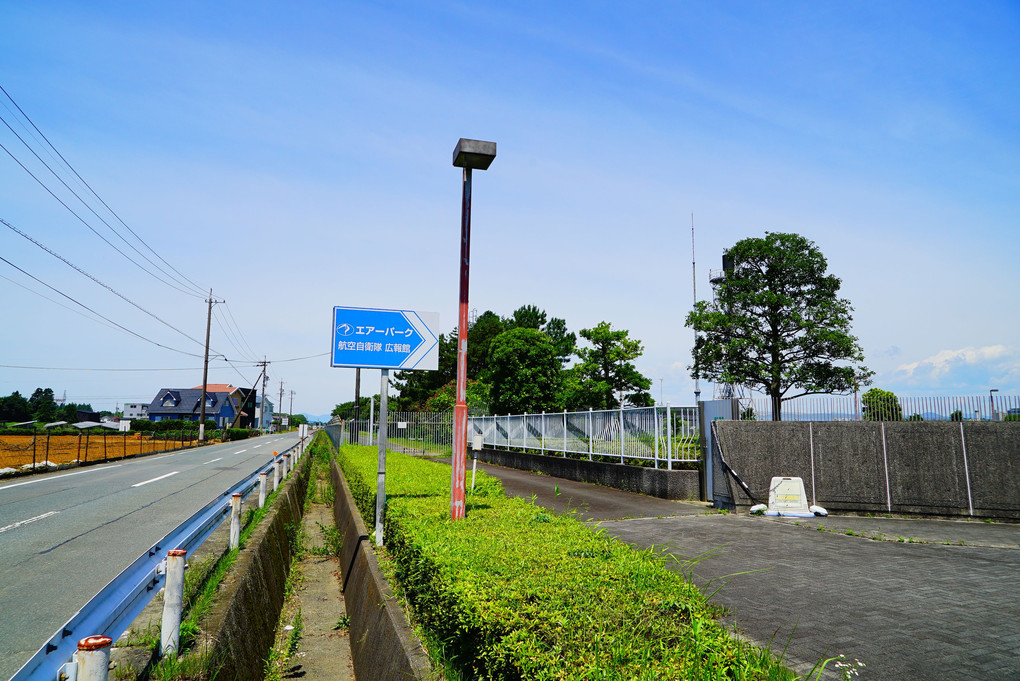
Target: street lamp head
[(474, 154)]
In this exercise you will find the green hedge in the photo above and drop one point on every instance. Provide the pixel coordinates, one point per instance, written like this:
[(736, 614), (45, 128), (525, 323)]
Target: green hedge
[(516, 592)]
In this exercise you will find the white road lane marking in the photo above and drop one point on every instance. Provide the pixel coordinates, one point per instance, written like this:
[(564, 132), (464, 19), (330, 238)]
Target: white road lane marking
[(139, 484), (240, 451), (214, 460), (56, 477), (26, 522)]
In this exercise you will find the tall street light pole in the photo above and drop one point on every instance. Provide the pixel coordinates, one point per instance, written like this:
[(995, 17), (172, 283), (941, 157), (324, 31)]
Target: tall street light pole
[(469, 155)]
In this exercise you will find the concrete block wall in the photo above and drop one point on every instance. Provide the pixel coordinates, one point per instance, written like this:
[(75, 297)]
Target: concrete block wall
[(383, 646), (940, 468), (677, 484), (246, 613)]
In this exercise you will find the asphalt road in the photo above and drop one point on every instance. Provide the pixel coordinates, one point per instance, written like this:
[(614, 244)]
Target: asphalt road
[(911, 598), (64, 536)]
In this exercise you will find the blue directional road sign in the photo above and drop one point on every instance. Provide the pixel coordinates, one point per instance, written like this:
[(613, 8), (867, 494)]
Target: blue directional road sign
[(384, 339)]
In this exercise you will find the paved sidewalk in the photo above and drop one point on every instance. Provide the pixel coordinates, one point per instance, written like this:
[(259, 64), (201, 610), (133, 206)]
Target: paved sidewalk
[(907, 610)]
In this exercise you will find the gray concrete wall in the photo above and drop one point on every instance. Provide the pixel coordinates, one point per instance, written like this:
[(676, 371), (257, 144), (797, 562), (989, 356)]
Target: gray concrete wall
[(660, 483), (244, 619), (382, 644), (941, 468)]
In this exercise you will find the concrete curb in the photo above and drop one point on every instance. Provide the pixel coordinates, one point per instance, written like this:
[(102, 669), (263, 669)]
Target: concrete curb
[(247, 610), (674, 485), (383, 645)]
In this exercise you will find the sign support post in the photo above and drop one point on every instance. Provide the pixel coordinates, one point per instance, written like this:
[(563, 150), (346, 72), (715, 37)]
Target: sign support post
[(380, 492)]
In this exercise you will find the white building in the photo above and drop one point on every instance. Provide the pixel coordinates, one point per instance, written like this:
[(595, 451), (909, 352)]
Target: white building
[(136, 410)]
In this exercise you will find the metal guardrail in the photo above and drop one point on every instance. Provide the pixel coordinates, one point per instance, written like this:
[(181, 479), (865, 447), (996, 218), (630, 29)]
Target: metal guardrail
[(111, 611)]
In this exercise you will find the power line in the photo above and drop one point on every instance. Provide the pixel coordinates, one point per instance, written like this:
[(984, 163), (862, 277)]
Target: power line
[(106, 286), (76, 302), (56, 302), (296, 359), (91, 228), (18, 366), (239, 334), (99, 198)]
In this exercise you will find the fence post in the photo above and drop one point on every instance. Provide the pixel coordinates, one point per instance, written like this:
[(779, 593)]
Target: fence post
[(622, 439), (564, 433), (262, 488), (173, 603), (276, 472), (541, 433), (591, 433), (235, 520), (655, 420), (669, 438), (94, 658), (78, 458), (885, 464)]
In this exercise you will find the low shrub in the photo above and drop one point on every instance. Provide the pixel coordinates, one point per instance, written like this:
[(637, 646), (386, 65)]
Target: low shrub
[(514, 592)]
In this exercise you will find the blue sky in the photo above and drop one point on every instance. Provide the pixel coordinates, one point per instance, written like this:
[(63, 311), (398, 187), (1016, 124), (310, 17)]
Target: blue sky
[(296, 156)]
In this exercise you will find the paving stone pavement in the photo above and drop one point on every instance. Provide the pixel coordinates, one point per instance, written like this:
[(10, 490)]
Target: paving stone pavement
[(907, 610)]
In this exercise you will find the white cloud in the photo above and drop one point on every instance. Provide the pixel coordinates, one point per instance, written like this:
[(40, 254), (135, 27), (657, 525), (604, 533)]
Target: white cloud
[(943, 362)]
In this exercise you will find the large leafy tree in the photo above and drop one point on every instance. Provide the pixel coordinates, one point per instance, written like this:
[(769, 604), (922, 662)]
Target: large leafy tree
[(524, 372), (778, 324), (882, 405), (606, 372), (14, 407), (42, 405)]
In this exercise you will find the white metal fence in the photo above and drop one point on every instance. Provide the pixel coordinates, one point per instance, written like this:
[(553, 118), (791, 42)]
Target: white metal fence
[(426, 432), (992, 407), (662, 435)]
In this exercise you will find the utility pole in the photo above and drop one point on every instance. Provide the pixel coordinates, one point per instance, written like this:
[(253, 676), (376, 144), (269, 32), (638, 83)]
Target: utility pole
[(291, 404), (265, 379), (281, 402), (205, 367)]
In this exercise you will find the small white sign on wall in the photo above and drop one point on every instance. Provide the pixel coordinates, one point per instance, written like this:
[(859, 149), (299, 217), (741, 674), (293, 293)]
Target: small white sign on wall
[(787, 497)]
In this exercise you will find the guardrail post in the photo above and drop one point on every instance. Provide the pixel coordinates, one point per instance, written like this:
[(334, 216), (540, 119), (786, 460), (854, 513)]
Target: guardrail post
[(286, 465), (262, 488), (235, 520), (173, 603), (276, 472), (94, 658)]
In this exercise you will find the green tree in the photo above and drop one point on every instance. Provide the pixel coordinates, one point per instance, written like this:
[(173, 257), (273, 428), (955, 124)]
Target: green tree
[(524, 372), (415, 387), (956, 416), (778, 324), (881, 405), (445, 398), (42, 405), (527, 317), (480, 336), (15, 408), (606, 371)]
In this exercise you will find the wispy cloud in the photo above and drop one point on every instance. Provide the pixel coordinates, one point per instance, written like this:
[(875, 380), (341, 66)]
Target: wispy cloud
[(963, 370)]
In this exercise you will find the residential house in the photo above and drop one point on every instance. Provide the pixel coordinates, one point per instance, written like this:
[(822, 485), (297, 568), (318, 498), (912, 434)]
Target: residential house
[(136, 410), (185, 404)]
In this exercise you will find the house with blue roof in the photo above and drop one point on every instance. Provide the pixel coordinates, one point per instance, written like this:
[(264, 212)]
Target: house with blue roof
[(222, 403)]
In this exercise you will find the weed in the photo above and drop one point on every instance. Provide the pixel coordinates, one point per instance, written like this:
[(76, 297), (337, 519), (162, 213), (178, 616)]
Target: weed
[(343, 624), (850, 533), (333, 541), (988, 520), (186, 667), (294, 637)]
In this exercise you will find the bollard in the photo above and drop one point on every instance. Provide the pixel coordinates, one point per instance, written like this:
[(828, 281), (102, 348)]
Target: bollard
[(94, 658), (173, 603), (276, 473), (262, 488), (235, 520), (286, 465)]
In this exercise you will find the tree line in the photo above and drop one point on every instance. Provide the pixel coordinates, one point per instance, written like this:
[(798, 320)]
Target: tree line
[(41, 406), (527, 362)]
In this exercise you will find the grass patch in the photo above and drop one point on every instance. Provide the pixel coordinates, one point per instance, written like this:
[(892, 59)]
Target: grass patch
[(515, 592)]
